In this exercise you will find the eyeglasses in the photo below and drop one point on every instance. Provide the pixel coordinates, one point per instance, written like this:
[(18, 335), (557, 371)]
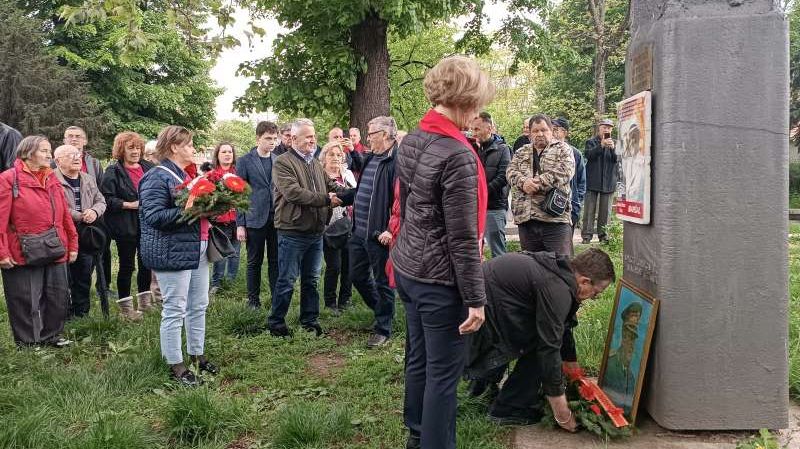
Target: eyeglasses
[(71, 156), (375, 132)]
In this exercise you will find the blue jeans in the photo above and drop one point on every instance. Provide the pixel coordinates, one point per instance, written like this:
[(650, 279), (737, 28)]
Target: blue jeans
[(435, 357), (496, 231), (298, 255), (185, 295), (368, 273)]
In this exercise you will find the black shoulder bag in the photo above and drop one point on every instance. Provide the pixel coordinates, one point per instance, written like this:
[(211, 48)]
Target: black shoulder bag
[(556, 200), (45, 247)]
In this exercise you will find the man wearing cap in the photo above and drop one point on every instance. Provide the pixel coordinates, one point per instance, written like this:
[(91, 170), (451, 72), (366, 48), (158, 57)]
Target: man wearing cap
[(86, 205), (578, 183), (620, 376), (601, 180)]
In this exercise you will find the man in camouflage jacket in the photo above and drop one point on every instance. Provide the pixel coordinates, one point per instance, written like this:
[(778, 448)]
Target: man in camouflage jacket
[(538, 230)]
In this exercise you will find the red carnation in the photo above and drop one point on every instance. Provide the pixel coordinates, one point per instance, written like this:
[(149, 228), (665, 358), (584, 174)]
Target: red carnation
[(234, 183), (203, 187), (214, 175), (596, 409), (586, 392)]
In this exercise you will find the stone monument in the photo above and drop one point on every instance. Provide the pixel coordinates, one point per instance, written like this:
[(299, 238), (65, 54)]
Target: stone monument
[(716, 251)]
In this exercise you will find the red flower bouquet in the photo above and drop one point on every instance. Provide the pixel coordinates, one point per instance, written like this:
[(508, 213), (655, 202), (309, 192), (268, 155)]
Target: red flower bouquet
[(212, 194), (592, 409)]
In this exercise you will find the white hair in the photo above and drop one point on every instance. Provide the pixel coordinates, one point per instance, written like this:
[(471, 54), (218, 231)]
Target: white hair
[(385, 123), (150, 145), (299, 123)]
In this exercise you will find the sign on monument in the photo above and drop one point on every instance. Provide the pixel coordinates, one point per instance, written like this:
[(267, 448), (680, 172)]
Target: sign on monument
[(633, 203)]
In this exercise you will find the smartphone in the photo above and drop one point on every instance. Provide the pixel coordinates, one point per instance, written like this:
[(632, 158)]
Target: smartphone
[(606, 136)]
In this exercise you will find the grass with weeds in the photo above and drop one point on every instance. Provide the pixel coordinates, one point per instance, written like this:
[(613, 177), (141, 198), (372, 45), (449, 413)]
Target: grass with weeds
[(112, 389)]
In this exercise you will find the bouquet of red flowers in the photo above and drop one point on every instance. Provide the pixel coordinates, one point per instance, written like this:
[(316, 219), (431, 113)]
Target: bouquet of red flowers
[(212, 194), (592, 408)]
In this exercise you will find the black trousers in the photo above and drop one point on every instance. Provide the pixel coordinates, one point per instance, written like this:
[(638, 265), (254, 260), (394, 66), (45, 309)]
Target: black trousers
[(37, 299), (80, 284), (337, 272), (435, 359), (538, 236), (257, 240), (129, 257), (520, 393)]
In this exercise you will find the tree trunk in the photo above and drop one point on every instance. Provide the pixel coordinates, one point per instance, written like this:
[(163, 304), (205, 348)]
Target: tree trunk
[(600, 60), (371, 97)]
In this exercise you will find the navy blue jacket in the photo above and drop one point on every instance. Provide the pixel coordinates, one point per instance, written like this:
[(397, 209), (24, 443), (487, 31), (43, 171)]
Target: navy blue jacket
[(578, 185), (165, 244), (383, 192), (262, 209)]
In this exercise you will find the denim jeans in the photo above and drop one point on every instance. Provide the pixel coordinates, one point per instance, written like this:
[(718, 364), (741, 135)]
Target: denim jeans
[(185, 296), (496, 231), (368, 272), (298, 256), (231, 262), (435, 357)]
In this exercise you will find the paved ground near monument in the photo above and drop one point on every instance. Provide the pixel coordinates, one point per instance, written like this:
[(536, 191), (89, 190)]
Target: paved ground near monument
[(651, 436)]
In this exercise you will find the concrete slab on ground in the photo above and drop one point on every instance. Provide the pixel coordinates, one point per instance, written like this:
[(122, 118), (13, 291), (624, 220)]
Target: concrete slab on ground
[(650, 436)]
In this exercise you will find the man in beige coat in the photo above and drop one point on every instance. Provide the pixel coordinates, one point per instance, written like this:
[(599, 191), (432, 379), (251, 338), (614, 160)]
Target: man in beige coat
[(86, 205)]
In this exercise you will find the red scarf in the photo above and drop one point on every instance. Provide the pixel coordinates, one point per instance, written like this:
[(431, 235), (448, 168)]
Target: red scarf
[(436, 123)]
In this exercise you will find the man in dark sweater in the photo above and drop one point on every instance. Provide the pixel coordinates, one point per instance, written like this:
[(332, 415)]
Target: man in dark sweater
[(601, 180), (495, 156), (531, 303), (256, 226), (369, 244)]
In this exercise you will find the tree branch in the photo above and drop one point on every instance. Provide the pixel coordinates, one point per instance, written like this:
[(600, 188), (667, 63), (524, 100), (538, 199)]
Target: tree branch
[(595, 13), (616, 36)]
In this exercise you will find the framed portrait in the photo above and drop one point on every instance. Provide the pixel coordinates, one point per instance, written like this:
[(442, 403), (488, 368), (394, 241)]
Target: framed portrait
[(630, 333), (633, 201)]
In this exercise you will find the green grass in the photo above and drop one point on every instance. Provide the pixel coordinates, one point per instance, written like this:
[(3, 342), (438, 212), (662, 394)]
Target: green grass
[(111, 389)]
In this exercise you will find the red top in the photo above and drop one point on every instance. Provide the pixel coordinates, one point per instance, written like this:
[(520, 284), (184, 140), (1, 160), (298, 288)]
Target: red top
[(136, 174), (84, 168), (204, 224), (359, 147), (229, 216), (31, 212)]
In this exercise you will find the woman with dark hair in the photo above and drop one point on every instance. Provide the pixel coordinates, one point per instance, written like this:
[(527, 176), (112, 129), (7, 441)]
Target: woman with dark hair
[(32, 203), (120, 187), (437, 256), (224, 162), (176, 251)]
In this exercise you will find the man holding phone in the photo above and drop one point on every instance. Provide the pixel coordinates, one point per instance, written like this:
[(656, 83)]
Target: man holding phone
[(601, 180)]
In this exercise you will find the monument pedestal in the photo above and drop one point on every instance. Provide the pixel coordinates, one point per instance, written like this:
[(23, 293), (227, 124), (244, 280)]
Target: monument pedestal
[(716, 250)]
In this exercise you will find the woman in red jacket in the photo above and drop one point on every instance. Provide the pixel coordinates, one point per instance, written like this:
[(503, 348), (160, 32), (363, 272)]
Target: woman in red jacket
[(224, 161), (32, 202)]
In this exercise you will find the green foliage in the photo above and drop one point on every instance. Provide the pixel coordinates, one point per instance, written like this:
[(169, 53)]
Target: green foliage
[(794, 62), (307, 424), (794, 177), (37, 95), (764, 440), (240, 133), (142, 71)]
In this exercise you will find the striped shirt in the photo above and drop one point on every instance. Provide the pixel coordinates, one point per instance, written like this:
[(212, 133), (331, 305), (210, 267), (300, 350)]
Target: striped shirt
[(363, 199)]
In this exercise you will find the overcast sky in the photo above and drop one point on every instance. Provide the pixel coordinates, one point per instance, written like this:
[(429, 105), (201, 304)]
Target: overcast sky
[(224, 72)]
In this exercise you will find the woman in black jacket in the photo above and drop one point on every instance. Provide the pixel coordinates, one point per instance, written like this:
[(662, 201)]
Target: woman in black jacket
[(120, 188), (437, 257)]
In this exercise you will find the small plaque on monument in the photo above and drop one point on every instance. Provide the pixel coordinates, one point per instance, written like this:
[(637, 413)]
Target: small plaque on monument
[(642, 70)]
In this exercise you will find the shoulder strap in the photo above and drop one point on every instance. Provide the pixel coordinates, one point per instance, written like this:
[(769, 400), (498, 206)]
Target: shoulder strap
[(170, 172)]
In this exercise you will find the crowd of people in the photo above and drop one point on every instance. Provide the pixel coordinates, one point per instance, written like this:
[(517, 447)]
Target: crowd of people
[(393, 215)]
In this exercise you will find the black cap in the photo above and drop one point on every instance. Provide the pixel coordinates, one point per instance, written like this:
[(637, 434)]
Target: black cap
[(561, 122)]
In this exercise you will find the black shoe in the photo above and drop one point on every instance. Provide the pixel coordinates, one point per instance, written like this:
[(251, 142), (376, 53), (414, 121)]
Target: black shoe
[(377, 340), (187, 379), (208, 367), (586, 241), (280, 331), (253, 305), (515, 419), (315, 327), (413, 442), (477, 387)]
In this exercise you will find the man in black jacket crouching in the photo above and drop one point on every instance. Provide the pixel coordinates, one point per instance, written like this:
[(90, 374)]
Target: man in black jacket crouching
[(531, 303)]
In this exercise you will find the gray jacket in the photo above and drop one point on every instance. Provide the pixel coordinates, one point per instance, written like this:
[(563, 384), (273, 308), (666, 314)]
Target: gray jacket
[(91, 198)]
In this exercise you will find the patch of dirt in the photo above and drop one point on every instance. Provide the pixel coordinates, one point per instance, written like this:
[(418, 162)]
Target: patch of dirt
[(326, 364), (241, 442), (253, 389)]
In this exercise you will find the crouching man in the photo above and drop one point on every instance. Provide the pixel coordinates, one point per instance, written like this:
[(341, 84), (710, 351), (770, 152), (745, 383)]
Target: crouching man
[(531, 303)]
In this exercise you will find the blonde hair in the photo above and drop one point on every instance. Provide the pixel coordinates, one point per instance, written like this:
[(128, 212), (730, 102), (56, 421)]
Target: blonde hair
[(324, 153), (122, 140), (458, 82), (169, 136)]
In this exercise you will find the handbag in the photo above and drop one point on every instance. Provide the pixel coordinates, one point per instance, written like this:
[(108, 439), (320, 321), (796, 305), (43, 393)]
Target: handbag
[(337, 233), (219, 245), (555, 200), (45, 247)]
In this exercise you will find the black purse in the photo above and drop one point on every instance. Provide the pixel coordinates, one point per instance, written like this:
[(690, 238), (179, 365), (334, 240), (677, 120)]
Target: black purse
[(555, 200), (45, 247), (337, 233), (219, 245)]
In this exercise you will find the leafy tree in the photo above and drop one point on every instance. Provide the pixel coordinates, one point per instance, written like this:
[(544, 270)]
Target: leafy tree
[(240, 133), (336, 58), (37, 95), (143, 71), (794, 62)]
